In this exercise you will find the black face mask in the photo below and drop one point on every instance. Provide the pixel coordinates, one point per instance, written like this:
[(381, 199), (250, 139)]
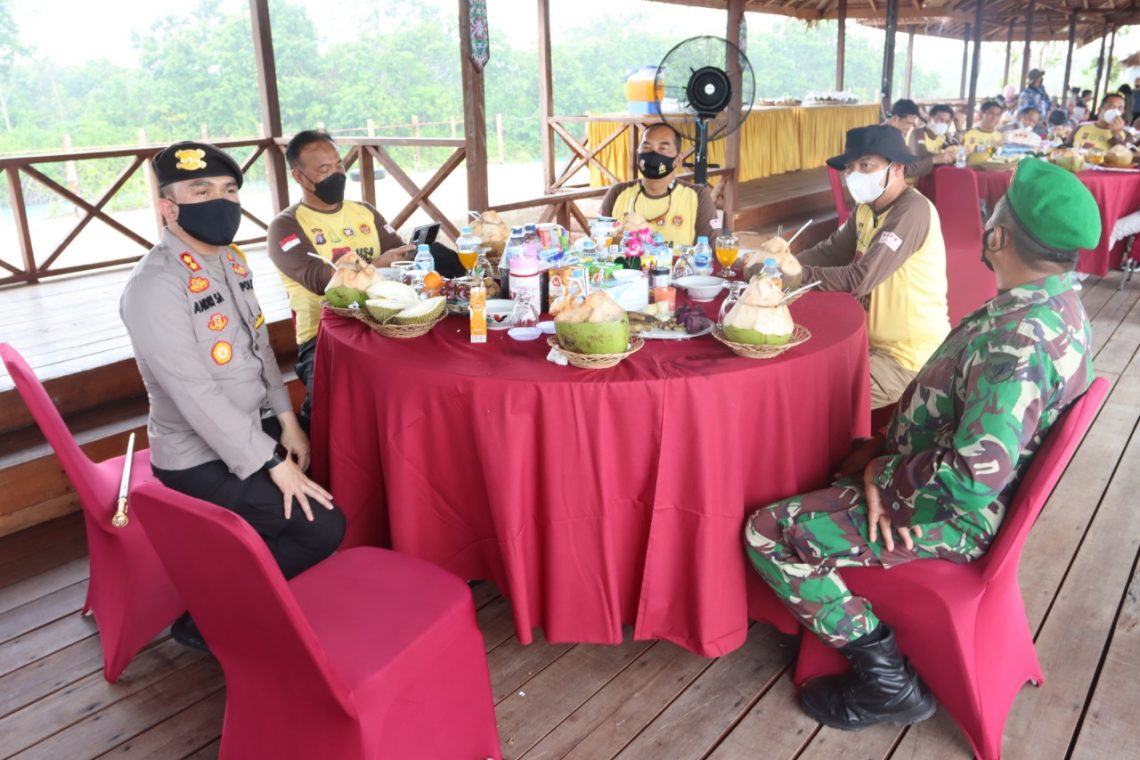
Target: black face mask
[(986, 246), (215, 222), (654, 165), (330, 189)]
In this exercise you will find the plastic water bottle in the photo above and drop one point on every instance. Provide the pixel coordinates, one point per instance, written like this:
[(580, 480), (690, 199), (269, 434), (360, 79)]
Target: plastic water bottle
[(660, 252), (702, 256), (960, 159), (423, 261), (531, 241), (467, 245), (772, 272), (515, 248)]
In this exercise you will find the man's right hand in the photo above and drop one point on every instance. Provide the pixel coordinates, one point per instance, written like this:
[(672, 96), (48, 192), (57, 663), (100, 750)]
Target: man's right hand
[(947, 156), (862, 452), (403, 253), (294, 484)]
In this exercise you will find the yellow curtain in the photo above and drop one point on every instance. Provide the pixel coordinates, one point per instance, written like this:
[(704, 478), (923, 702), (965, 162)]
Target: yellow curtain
[(772, 141), (823, 129)]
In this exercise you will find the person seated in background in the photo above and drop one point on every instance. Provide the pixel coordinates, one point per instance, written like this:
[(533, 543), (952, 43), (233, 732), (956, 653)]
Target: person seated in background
[(1028, 120), (945, 471), (323, 224), (679, 210), (986, 134), (1107, 130), (1060, 128), (1085, 104), (221, 424), (890, 255), (905, 117), (936, 136)]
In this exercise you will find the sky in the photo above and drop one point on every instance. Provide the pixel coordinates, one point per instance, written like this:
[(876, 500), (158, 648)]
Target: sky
[(79, 30)]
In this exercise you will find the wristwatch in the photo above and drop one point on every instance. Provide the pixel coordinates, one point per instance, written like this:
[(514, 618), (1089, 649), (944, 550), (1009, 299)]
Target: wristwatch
[(275, 460)]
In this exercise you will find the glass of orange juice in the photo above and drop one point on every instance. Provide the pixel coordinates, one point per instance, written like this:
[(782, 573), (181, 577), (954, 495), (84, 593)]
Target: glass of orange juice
[(727, 250)]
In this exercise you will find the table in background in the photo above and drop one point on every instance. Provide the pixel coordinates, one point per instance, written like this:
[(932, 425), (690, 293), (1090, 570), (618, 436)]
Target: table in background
[(596, 498)]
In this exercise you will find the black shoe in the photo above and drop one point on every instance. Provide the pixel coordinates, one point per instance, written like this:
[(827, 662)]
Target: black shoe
[(185, 632), (881, 688)]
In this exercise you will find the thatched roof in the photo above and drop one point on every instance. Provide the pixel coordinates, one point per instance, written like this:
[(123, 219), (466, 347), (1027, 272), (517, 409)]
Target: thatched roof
[(948, 18)]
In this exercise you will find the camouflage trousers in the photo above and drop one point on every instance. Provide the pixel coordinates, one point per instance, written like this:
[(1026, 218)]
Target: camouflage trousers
[(798, 545)]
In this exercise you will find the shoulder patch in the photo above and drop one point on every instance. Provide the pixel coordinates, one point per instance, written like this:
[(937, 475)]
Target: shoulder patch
[(890, 240), (198, 284), (289, 243), (1000, 368), (191, 263)]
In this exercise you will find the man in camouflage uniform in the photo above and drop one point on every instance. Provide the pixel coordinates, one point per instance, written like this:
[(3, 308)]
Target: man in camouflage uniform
[(945, 472)]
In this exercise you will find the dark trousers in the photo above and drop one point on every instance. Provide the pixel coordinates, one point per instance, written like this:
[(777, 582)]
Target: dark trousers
[(296, 543), (306, 352)]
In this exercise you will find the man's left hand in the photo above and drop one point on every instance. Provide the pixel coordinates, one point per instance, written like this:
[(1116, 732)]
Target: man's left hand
[(295, 442), (403, 253), (879, 519)]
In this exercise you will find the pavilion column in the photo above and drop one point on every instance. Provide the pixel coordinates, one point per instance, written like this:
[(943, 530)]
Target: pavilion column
[(889, 53), (1008, 53), (545, 95), (1069, 57), (1095, 105), (474, 115), (1108, 63), (965, 61), (979, 8), (1028, 40), (732, 142), (841, 45), (909, 61), (270, 106)]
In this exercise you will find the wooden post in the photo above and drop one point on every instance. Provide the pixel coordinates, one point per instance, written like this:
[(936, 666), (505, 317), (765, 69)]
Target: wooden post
[(1008, 53), (474, 116), (889, 54), (499, 134), (370, 127), (415, 148), (453, 130), (545, 96), (1028, 39), (1108, 63), (909, 60), (965, 62), (731, 183), (978, 10), (841, 49), (151, 185), (1069, 57), (1095, 105), (20, 218), (270, 105), (367, 175)]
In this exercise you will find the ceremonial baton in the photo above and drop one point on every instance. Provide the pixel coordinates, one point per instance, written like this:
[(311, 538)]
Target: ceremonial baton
[(120, 519)]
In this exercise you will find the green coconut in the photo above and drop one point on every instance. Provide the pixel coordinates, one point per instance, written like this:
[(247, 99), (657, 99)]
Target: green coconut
[(594, 337), (343, 296), (422, 312), (383, 309), (758, 318)]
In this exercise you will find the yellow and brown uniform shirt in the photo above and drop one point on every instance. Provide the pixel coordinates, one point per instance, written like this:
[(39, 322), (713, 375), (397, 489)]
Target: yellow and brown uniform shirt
[(299, 230), (976, 138), (681, 215), (894, 262), (202, 347), (1092, 135)]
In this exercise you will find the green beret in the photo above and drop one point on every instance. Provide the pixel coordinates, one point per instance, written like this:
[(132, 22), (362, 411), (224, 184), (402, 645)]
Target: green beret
[(1053, 206), (191, 160)]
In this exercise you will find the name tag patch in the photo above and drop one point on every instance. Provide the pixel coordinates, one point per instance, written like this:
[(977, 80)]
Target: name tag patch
[(890, 240)]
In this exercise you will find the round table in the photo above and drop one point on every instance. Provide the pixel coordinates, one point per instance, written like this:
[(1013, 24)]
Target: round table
[(592, 498)]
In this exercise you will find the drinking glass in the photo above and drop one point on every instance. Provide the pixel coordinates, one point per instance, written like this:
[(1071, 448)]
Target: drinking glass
[(727, 250), (734, 291), (524, 313)]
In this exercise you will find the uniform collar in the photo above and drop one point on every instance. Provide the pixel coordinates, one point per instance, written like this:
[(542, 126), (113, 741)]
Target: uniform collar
[(1036, 291)]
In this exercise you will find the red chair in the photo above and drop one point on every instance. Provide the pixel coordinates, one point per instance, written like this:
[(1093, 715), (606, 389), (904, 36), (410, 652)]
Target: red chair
[(369, 654), (129, 593), (969, 282), (964, 626), (838, 194)]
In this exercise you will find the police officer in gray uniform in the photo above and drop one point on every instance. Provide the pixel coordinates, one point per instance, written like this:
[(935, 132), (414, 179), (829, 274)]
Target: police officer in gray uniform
[(221, 425)]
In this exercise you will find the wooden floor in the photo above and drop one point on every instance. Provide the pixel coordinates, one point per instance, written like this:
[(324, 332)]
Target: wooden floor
[(646, 699)]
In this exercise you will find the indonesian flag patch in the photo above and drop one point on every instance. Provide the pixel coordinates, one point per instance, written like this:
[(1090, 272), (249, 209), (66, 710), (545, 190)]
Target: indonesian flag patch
[(890, 240), (289, 242), (198, 284), (222, 352)]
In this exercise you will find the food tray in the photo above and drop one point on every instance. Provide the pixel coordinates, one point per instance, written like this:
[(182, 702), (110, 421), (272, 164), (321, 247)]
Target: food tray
[(597, 361), (799, 335)]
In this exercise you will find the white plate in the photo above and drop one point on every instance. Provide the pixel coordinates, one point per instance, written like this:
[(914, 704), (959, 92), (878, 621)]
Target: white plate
[(670, 335), (547, 327), (524, 333)]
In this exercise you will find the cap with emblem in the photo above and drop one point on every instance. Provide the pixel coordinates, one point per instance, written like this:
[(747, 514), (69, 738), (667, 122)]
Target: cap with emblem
[(192, 160), (1054, 206)]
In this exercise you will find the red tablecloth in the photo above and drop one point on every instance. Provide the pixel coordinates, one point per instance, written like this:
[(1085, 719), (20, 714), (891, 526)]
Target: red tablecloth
[(1117, 194), (593, 499)]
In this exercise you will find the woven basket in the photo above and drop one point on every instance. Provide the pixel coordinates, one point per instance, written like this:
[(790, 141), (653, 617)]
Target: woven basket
[(405, 331), (749, 351), (596, 361), (361, 314)]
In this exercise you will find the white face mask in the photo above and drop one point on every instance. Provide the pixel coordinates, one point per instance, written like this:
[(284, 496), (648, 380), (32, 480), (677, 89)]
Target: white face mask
[(866, 188), (939, 128), (1110, 115)]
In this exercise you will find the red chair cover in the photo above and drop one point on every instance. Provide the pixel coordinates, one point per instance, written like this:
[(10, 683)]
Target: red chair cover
[(369, 654), (129, 593), (964, 627), (969, 282), (837, 194)]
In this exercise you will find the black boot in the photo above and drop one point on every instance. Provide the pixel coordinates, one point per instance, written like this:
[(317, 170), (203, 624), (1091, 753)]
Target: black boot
[(185, 632), (882, 687)]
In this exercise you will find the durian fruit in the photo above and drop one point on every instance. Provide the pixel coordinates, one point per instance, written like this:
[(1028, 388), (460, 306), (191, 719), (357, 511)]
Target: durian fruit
[(758, 318), (383, 309), (596, 326), (421, 312), (393, 291)]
